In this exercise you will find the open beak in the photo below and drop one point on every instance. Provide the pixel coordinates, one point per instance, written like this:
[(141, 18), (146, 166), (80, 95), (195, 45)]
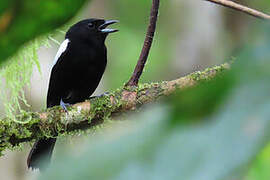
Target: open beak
[(103, 27)]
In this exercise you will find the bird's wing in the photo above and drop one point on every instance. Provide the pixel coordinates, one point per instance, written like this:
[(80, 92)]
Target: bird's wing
[(56, 86), (61, 50)]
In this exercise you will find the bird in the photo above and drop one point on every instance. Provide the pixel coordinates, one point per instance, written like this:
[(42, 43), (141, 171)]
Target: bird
[(77, 69)]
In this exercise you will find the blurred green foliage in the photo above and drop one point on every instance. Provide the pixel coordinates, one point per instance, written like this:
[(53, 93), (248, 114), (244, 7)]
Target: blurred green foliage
[(260, 168), (261, 5), (216, 130), (5, 4), (231, 128), (21, 21)]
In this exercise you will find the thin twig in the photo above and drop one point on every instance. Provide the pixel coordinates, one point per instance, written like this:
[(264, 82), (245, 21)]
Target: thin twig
[(239, 7), (147, 45)]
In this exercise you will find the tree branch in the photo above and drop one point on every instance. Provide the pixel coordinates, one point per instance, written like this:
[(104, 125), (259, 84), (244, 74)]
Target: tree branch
[(244, 9), (31, 126), (133, 81), (146, 46)]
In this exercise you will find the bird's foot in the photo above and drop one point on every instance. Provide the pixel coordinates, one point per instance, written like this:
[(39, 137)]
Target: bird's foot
[(102, 95), (105, 94), (64, 105)]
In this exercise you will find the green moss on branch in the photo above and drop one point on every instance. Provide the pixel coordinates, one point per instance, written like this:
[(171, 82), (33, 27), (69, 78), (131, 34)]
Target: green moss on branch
[(54, 121)]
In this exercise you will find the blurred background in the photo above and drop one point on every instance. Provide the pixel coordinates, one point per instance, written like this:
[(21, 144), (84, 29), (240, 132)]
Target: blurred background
[(191, 35)]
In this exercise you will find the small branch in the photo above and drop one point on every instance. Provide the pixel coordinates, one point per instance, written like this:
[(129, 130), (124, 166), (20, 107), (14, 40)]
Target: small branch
[(244, 9), (133, 81), (147, 45), (54, 121)]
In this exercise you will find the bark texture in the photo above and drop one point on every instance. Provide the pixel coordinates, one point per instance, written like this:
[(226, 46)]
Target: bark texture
[(54, 121)]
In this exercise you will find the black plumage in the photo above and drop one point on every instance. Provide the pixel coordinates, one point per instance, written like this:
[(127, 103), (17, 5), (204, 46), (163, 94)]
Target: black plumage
[(78, 68)]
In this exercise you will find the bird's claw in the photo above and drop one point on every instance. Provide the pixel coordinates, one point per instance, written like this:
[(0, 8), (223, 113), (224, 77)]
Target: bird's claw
[(104, 94), (64, 105), (99, 96)]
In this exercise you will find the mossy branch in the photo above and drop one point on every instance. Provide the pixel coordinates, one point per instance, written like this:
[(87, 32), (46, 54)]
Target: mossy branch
[(31, 126)]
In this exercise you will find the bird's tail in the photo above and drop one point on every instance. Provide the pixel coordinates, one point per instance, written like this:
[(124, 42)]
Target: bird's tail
[(41, 153)]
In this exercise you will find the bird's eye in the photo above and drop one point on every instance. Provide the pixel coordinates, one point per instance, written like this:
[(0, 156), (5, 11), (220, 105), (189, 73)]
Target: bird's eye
[(90, 25)]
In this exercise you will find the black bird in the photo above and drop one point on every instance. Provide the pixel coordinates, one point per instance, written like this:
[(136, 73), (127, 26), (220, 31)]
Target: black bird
[(77, 70)]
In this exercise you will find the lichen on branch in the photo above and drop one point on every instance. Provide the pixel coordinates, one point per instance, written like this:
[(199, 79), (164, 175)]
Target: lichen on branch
[(30, 126)]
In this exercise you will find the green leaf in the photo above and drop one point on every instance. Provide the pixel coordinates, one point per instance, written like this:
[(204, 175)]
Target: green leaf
[(21, 21)]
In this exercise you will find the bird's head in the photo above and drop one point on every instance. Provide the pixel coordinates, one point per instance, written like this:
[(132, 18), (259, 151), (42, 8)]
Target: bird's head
[(91, 29)]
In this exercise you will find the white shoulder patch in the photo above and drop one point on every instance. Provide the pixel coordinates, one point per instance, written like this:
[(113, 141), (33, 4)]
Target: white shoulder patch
[(61, 49)]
